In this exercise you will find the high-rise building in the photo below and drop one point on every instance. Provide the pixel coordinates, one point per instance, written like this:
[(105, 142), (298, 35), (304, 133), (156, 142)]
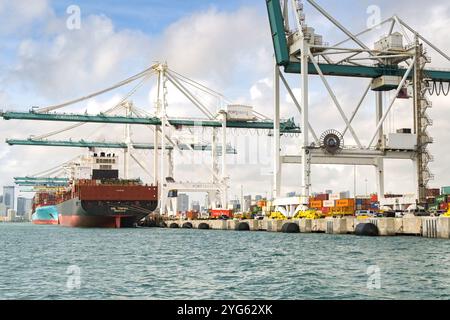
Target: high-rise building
[(236, 204), (247, 203), (8, 197), (183, 202), (23, 206), (290, 194)]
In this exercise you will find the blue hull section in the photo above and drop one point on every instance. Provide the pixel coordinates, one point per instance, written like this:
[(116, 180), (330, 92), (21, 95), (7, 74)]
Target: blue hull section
[(45, 215)]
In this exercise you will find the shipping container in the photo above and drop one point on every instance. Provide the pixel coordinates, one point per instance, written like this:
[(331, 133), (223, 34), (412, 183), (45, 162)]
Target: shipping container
[(433, 193), (334, 196), (192, 215), (374, 198), (328, 203), (443, 206), (441, 199), (261, 203), (325, 210), (316, 204), (217, 213), (322, 196), (345, 203), (446, 190)]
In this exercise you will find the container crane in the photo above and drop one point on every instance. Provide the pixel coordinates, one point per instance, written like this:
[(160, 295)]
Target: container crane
[(390, 66)]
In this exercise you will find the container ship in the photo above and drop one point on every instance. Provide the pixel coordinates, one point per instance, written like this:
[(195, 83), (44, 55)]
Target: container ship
[(96, 197)]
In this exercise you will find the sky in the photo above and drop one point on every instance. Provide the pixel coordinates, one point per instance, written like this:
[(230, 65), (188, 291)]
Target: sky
[(225, 45)]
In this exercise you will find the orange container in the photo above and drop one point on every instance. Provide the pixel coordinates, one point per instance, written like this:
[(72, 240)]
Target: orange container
[(192, 215), (345, 203), (261, 203), (316, 204)]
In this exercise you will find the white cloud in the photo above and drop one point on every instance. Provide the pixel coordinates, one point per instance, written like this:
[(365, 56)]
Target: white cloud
[(18, 16), (229, 51)]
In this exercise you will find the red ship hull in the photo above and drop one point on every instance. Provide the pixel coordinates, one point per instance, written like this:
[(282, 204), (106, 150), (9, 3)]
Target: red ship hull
[(96, 222), (42, 222), (107, 206)]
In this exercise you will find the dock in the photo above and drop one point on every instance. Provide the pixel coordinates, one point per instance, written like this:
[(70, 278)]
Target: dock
[(428, 227)]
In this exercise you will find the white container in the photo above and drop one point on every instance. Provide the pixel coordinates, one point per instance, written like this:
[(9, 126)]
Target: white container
[(386, 83), (328, 203), (240, 113), (401, 141), (391, 42), (334, 196)]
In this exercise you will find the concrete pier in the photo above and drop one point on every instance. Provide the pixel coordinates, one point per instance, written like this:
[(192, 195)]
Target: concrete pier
[(430, 227)]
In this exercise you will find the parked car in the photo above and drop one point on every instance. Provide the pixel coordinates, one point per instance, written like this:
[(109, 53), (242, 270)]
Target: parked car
[(388, 214)]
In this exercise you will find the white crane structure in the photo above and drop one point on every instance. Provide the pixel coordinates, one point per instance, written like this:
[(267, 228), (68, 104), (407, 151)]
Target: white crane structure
[(165, 129), (392, 66)]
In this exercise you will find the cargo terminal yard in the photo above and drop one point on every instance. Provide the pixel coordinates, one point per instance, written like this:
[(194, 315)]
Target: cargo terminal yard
[(396, 66)]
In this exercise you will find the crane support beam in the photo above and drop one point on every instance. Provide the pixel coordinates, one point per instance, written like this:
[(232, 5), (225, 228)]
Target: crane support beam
[(287, 126), (364, 71), (109, 145)]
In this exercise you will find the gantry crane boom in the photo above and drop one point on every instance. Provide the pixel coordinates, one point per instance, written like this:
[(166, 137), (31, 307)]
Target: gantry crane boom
[(287, 126), (110, 145)]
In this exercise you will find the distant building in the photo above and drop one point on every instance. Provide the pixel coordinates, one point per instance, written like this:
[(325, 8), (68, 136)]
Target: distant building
[(247, 203), (1, 198), (258, 197), (328, 191), (23, 206), (345, 195), (196, 206), (290, 194), (3, 210), (183, 202), (236, 204), (8, 197)]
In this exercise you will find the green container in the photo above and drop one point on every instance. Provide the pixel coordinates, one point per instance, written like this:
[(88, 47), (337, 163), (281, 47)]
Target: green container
[(441, 199), (445, 190)]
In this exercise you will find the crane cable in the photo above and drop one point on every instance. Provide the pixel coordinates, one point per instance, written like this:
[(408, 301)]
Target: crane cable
[(53, 169), (438, 88), (117, 106), (117, 85)]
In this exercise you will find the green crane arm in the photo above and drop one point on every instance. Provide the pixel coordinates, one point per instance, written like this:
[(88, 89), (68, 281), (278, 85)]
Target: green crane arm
[(109, 145), (287, 126)]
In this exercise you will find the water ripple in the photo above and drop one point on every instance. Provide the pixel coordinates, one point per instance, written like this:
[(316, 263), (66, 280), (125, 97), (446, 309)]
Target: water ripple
[(208, 264)]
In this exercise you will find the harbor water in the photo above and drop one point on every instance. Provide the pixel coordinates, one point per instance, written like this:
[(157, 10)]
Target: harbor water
[(53, 262)]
